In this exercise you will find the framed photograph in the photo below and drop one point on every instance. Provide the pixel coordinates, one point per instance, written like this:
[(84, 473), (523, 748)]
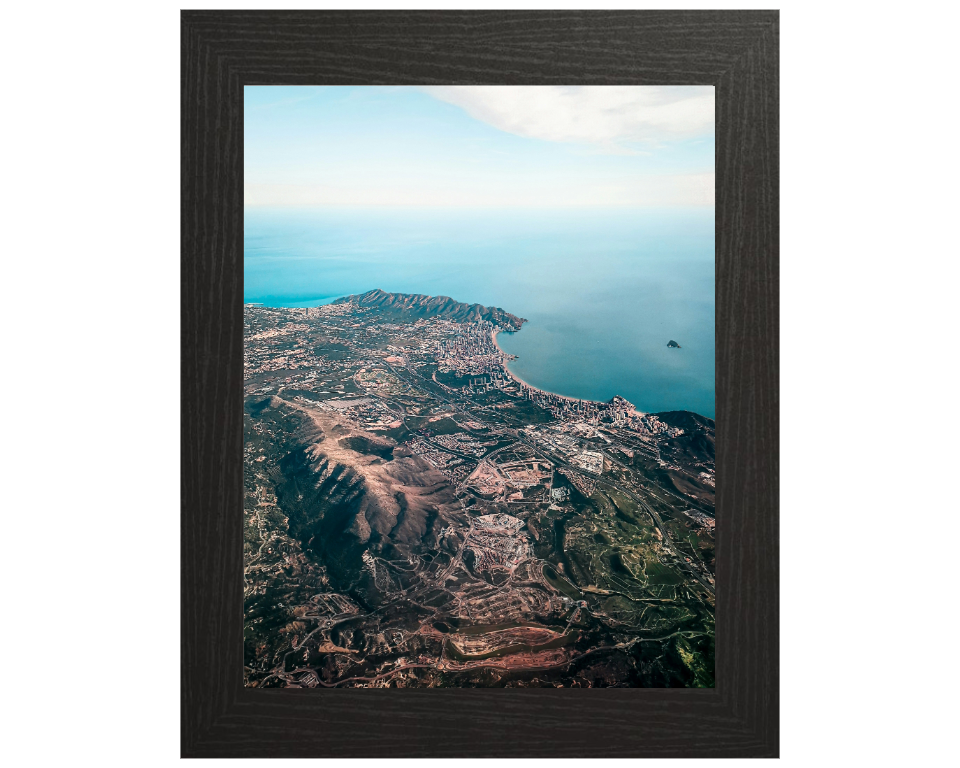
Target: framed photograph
[(480, 384)]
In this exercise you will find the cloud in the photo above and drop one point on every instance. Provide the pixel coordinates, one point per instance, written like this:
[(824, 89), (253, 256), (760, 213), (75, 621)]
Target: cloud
[(605, 116)]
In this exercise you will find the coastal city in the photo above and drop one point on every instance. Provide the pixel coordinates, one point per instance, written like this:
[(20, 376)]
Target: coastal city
[(417, 516)]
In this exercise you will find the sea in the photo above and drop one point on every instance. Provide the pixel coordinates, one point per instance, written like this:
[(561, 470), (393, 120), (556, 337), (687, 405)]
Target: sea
[(603, 291)]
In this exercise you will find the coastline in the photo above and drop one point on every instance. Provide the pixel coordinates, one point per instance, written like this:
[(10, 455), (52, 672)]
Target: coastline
[(512, 375), (528, 385), (301, 304)]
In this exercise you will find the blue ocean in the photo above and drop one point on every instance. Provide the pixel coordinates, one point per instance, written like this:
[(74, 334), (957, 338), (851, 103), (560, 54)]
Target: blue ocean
[(603, 290)]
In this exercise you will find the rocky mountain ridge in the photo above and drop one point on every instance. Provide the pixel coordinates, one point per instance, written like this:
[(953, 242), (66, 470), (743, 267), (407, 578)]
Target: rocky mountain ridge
[(421, 305)]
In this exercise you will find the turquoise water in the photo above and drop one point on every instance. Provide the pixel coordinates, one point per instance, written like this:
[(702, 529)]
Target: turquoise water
[(603, 291)]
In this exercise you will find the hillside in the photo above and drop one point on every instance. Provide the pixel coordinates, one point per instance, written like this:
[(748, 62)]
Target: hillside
[(687, 421), (420, 305)]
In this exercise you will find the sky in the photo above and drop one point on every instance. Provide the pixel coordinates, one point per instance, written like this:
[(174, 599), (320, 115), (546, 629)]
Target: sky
[(479, 146)]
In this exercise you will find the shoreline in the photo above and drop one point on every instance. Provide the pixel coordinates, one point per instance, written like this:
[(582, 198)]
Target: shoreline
[(538, 389), (512, 375), (302, 304)]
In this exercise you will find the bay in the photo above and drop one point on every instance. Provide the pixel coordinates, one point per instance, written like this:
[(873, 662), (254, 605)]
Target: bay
[(603, 290)]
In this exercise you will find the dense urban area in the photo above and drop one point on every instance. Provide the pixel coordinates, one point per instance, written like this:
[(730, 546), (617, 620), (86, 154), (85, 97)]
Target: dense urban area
[(416, 516)]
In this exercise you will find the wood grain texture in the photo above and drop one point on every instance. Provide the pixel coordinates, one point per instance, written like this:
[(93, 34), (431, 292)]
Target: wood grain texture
[(733, 50)]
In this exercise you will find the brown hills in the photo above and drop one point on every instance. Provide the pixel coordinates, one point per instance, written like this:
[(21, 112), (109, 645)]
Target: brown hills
[(359, 492)]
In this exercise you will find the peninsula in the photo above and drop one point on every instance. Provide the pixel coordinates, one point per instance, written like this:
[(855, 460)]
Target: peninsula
[(417, 516)]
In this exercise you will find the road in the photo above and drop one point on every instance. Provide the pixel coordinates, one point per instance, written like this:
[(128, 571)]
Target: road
[(630, 494)]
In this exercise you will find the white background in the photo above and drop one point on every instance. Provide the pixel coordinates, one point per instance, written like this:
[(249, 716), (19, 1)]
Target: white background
[(869, 349)]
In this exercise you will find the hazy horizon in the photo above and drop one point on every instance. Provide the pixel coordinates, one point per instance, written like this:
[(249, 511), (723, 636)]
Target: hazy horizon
[(478, 147)]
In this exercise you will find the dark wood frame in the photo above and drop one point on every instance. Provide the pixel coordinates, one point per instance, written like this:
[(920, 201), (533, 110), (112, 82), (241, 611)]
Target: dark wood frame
[(736, 51)]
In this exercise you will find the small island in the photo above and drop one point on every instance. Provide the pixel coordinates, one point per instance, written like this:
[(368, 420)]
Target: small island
[(672, 343)]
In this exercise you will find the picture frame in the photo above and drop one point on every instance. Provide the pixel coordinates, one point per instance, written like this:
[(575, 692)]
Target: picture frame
[(735, 51)]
